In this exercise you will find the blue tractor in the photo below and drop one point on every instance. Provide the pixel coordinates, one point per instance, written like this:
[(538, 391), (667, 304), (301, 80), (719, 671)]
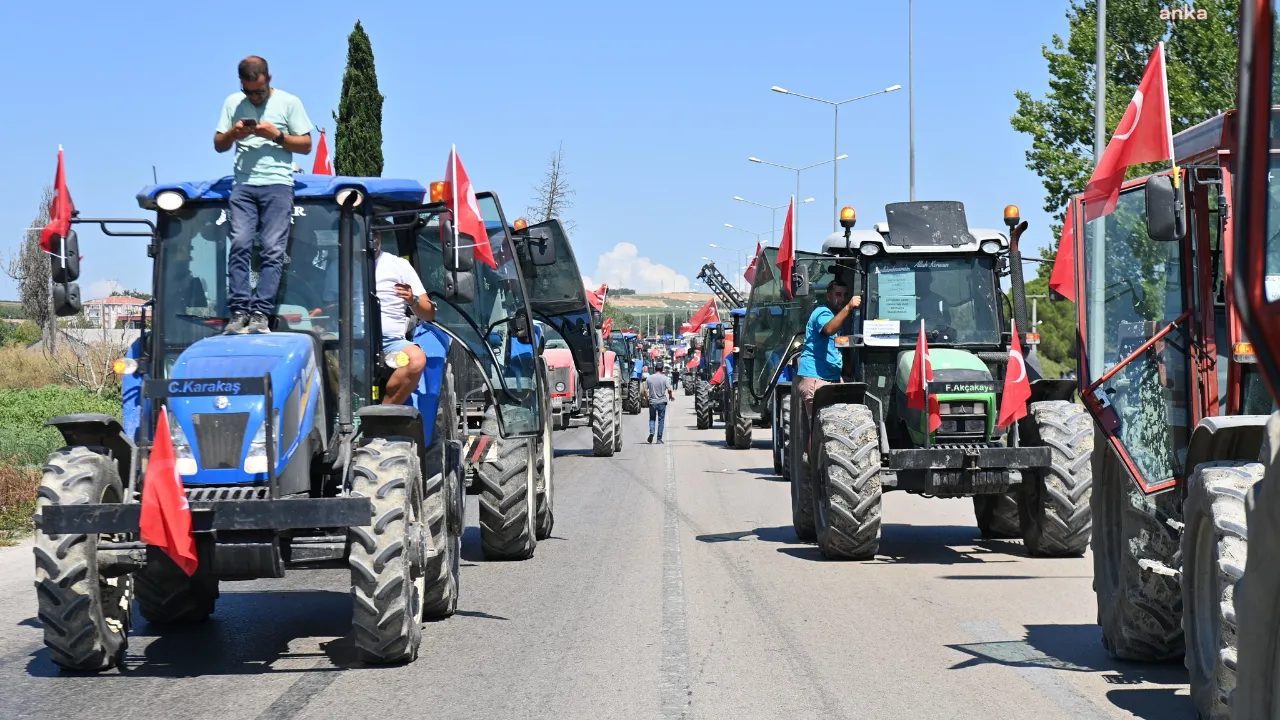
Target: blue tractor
[(286, 454), (709, 389), (631, 356)]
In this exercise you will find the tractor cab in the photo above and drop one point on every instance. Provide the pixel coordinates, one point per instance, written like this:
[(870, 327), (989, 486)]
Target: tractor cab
[(712, 344)]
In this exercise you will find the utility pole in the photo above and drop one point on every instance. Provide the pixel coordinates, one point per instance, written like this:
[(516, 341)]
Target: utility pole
[(1095, 293), (911, 102)]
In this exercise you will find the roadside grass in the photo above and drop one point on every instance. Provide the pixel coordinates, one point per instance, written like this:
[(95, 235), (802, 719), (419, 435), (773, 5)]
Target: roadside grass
[(25, 445)]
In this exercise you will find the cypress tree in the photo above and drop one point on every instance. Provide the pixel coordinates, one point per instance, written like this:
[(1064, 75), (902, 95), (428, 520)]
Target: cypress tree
[(358, 137)]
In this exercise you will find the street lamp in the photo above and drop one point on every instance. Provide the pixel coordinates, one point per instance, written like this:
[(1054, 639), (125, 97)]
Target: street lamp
[(773, 217), (739, 254), (835, 142), (797, 171)]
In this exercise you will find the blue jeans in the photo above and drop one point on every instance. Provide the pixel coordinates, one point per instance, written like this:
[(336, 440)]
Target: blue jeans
[(658, 412), (258, 210)]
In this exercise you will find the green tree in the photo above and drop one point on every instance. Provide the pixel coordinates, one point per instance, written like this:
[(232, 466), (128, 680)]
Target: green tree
[(358, 137), (29, 268)]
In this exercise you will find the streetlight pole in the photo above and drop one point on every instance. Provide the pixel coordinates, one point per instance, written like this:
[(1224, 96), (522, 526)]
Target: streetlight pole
[(797, 171), (835, 143), (773, 212), (911, 103)]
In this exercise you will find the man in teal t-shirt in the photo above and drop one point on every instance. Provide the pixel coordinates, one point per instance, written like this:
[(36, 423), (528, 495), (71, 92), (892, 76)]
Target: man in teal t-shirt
[(820, 361), (267, 126)]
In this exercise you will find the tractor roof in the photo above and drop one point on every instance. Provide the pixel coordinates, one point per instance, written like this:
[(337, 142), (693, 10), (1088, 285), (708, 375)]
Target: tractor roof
[(880, 235), (304, 186), (740, 312), (927, 226)]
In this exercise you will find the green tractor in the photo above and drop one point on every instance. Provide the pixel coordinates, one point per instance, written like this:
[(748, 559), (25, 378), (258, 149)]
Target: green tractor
[(860, 438)]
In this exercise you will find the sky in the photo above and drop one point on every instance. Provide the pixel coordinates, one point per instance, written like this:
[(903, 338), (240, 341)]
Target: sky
[(658, 106)]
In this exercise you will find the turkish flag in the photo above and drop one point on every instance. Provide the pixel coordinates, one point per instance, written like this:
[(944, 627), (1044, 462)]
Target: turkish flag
[(918, 382), (707, 313), (466, 210), (166, 516), (1017, 388), (1145, 134), (61, 209), (787, 249), (718, 376), (324, 164), (607, 329), (1063, 279), (750, 273), (596, 297)]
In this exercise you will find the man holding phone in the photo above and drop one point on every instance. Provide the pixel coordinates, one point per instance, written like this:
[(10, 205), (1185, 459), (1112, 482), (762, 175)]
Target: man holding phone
[(266, 126), (399, 289)]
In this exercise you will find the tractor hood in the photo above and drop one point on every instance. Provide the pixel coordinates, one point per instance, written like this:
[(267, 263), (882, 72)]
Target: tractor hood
[(966, 395), (954, 371), (219, 429)]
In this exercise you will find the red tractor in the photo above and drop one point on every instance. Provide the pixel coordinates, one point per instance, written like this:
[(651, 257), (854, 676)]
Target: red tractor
[(566, 392)]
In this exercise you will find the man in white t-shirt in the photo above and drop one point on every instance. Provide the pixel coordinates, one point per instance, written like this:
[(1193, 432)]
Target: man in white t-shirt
[(400, 288)]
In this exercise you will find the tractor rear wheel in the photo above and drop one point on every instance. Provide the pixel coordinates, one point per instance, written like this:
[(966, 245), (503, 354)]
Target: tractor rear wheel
[(688, 383), (168, 596), (386, 590), (603, 427), (508, 495), (443, 509), (998, 516), (702, 404), (1056, 517), (86, 616), (783, 441), (742, 425), (1256, 694), (801, 482), (847, 492), (1214, 552), (631, 401), (1135, 556)]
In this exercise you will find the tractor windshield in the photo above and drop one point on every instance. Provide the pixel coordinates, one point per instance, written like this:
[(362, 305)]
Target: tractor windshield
[(956, 298), (623, 347), (713, 349), (486, 324), (191, 296), (775, 320)]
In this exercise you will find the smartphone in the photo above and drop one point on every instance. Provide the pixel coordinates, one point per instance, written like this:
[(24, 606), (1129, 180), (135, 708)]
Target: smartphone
[(249, 122)]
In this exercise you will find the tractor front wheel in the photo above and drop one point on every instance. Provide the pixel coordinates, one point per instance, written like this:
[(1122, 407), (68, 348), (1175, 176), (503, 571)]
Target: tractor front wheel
[(1056, 517), (508, 496), (603, 427), (702, 404), (847, 492)]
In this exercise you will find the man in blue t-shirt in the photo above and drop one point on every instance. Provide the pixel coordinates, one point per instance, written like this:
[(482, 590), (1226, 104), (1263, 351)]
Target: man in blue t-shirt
[(820, 361)]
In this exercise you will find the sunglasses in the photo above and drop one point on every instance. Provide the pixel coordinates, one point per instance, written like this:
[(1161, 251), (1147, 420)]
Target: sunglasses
[(255, 93)]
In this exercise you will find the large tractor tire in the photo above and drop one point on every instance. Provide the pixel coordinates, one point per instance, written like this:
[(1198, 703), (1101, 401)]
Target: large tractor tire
[(742, 426), (785, 427), (545, 519), (702, 405), (603, 425), (443, 497), (1056, 517), (631, 401), (617, 422), (386, 617), (775, 440), (847, 493), (689, 384), (1135, 560), (1257, 693), (801, 481), (726, 402), (86, 616), (168, 596), (508, 496), (1214, 552), (998, 516)]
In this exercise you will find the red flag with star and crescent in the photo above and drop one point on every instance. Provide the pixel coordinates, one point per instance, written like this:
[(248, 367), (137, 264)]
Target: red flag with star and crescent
[(324, 163), (607, 329), (61, 209), (918, 382), (787, 248), (1017, 388), (166, 515), (462, 202)]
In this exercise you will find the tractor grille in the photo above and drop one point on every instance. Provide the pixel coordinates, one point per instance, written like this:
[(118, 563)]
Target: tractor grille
[(559, 375), (962, 421), (227, 492), (220, 437)]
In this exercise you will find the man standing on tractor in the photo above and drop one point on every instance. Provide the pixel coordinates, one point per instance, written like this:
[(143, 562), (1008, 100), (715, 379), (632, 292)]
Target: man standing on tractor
[(820, 361), (658, 385), (267, 126), (399, 288)]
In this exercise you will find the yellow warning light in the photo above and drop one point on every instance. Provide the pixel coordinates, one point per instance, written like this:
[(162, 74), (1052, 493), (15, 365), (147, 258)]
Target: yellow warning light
[(521, 224), (124, 366), (848, 216), (1011, 215), (1242, 352), (439, 191)]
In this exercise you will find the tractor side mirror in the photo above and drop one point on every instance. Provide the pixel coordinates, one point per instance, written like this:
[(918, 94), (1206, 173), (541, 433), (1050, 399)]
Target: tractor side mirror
[(460, 287), (461, 257), (1165, 217), (520, 327), (66, 299), (799, 284), (64, 261), (541, 246)]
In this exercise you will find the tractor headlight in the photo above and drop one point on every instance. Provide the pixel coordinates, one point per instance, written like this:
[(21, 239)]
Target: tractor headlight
[(170, 200), (991, 247), (560, 387), (869, 248), (255, 461), (185, 461)]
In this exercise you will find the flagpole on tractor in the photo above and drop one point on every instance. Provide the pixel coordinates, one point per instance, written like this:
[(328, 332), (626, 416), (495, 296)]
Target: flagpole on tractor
[(1095, 293)]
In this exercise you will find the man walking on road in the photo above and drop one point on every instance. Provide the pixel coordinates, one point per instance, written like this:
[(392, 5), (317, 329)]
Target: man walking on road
[(658, 385), (267, 126), (820, 361)]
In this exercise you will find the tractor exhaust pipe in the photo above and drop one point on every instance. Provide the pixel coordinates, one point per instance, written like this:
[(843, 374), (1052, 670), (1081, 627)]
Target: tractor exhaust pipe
[(346, 321), (1017, 226)]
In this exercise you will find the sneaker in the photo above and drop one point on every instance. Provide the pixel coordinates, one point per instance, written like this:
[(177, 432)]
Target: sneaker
[(258, 323), (660, 441), (237, 325), (650, 440)]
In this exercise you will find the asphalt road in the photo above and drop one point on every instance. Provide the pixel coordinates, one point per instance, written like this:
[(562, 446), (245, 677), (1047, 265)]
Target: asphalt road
[(674, 588)]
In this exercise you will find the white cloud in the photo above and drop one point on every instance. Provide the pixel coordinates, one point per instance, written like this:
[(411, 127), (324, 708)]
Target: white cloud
[(623, 267)]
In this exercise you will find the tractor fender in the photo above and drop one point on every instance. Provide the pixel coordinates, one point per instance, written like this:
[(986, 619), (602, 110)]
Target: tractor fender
[(853, 393), (1219, 438), (97, 430)]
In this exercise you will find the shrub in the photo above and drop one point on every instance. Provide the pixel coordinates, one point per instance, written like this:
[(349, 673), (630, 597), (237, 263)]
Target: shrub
[(23, 435), (17, 499)]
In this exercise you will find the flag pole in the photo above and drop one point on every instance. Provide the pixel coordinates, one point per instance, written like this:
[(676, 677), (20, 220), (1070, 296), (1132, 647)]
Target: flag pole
[(453, 190), (1095, 290), (1164, 78)]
